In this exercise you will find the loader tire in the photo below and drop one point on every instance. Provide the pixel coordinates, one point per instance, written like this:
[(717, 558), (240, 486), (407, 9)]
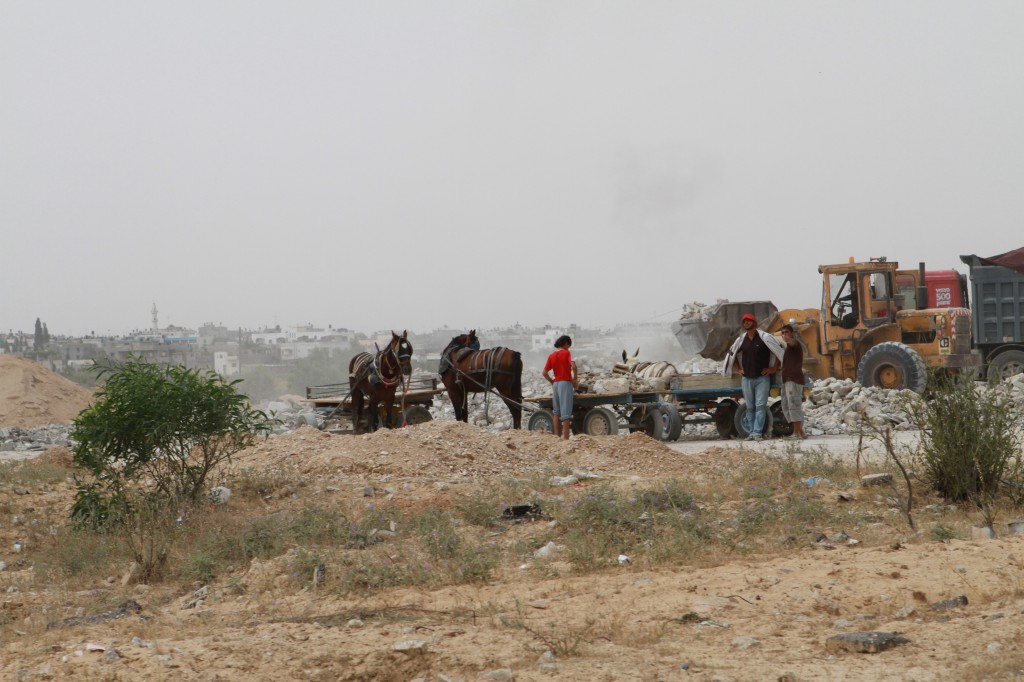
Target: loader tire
[(893, 365)]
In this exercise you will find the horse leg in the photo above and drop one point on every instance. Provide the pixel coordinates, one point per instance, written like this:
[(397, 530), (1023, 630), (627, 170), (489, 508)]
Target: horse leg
[(357, 410), (374, 414), (516, 393), (457, 396), (515, 408)]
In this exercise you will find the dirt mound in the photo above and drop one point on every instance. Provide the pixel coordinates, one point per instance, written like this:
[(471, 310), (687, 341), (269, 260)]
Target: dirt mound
[(448, 449), (31, 395)]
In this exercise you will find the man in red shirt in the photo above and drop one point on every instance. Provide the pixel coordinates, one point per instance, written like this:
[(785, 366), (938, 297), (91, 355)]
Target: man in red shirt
[(563, 383)]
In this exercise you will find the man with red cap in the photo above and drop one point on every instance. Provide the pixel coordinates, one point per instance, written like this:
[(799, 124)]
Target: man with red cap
[(756, 355)]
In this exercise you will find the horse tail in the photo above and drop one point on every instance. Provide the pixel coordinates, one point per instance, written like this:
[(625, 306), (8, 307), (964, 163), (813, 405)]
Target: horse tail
[(517, 374)]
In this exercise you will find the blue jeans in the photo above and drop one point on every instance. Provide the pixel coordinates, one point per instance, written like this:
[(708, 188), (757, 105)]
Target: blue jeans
[(755, 395)]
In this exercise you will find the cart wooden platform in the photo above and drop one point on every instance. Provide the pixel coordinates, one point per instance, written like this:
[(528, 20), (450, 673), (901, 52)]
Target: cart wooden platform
[(690, 399), (603, 414), (332, 401), (711, 397)]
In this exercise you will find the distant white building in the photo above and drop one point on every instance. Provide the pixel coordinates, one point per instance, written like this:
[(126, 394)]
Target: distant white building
[(305, 332), (224, 364), (546, 340)]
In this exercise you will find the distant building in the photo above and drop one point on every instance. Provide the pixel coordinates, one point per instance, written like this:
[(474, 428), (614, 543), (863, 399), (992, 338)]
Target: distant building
[(225, 364)]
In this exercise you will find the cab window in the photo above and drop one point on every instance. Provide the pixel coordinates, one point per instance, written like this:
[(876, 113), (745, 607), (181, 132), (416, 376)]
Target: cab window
[(843, 300)]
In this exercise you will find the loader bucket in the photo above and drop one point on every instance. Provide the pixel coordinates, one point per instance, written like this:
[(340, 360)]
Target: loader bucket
[(711, 337)]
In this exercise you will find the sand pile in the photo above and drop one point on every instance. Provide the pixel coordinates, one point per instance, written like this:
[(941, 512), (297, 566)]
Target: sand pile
[(31, 395), (454, 450)]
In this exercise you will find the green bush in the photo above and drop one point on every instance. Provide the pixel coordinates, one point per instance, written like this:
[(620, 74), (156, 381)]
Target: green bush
[(969, 438), (166, 424), (150, 440)]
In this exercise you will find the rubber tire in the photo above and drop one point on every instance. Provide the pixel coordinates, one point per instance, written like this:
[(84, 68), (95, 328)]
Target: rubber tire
[(671, 422), (724, 414), (416, 414), (780, 427), (741, 432), (893, 365), (600, 421), (541, 420), (636, 421), (1008, 363), (651, 423)]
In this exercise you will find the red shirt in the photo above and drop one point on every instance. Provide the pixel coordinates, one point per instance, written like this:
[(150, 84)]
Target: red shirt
[(560, 362)]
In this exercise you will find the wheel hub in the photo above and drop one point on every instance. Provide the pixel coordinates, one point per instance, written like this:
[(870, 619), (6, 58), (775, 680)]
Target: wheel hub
[(890, 377)]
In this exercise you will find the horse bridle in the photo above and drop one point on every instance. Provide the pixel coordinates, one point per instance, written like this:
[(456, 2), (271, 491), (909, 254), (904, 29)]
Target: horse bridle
[(399, 357)]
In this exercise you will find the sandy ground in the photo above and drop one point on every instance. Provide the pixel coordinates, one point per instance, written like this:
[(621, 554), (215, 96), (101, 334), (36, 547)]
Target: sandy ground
[(31, 395), (762, 617)]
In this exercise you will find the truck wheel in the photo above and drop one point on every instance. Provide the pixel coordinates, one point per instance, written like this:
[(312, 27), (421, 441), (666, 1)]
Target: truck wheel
[(1008, 364), (724, 414), (601, 421), (893, 365), (416, 414), (741, 411), (780, 427), (541, 420)]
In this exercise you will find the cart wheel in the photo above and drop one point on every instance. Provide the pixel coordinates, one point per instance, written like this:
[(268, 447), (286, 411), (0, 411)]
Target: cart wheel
[(780, 427), (541, 420), (601, 421), (651, 423), (724, 419), (636, 420), (669, 421), (578, 413), (416, 414), (741, 410)]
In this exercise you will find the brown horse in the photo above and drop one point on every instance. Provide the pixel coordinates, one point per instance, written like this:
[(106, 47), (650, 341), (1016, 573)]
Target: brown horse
[(466, 369), (377, 377)]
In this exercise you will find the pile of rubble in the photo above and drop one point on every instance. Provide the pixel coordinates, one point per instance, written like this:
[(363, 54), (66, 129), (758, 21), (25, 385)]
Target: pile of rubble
[(14, 439), (842, 406), (699, 311), (838, 406)]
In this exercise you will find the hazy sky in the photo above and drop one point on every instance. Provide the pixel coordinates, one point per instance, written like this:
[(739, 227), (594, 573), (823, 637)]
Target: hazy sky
[(393, 165)]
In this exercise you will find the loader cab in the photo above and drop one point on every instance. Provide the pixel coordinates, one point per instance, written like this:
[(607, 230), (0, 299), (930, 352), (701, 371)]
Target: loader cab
[(842, 299), (857, 298)]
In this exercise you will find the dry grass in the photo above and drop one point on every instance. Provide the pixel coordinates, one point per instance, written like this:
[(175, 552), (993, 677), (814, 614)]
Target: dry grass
[(366, 546), (765, 507)]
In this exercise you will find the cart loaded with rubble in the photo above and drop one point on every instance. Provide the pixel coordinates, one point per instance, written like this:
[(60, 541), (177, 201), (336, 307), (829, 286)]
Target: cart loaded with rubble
[(334, 403), (689, 399)]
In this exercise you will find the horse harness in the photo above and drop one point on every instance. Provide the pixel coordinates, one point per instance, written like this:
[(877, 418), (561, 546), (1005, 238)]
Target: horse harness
[(486, 361), (369, 366)]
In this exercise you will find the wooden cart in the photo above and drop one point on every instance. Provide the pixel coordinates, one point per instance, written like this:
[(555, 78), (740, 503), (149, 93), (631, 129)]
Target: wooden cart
[(690, 399), (715, 398), (604, 414), (333, 402)]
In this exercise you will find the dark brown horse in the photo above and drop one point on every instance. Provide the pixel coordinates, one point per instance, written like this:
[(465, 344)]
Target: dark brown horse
[(377, 378), (466, 369)]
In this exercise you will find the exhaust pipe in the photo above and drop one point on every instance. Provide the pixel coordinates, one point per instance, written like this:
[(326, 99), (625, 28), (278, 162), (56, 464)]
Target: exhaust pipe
[(922, 290)]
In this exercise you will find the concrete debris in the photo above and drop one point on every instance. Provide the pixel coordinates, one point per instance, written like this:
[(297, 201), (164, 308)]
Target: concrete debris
[(947, 604), (864, 642)]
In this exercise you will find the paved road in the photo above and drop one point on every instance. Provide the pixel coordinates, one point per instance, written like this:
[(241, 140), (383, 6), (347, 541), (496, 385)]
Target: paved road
[(841, 445)]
